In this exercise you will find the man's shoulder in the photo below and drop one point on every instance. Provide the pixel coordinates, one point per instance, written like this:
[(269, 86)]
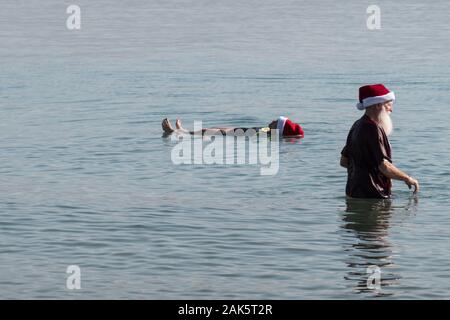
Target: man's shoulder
[(365, 129), (365, 123)]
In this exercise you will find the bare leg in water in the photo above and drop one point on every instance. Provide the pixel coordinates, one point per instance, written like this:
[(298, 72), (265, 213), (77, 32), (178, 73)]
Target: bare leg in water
[(179, 127), (169, 129)]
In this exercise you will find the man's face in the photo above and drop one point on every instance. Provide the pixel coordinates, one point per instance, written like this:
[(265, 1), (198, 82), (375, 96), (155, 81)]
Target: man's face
[(388, 106), (273, 124), (385, 118)]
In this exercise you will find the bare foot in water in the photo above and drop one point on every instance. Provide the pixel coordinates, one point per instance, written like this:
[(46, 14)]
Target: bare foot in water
[(178, 124), (166, 126)]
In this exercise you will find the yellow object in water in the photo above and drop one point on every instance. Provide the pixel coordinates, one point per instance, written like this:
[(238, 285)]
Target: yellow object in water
[(265, 129)]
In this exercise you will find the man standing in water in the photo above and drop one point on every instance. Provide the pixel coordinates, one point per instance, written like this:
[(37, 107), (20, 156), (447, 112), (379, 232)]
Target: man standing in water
[(367, 153)]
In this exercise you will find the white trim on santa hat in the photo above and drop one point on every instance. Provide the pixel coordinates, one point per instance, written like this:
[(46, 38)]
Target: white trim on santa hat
[(280, 125), (370, 101)]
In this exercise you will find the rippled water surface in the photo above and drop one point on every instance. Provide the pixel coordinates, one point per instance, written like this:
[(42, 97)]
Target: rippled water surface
[(87, 179)]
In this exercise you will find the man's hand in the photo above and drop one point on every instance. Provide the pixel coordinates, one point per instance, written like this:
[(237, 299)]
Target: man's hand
[(392, 172), (412, 182)]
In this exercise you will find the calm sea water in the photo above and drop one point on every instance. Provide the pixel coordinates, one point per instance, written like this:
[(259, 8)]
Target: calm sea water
[(86, 178)]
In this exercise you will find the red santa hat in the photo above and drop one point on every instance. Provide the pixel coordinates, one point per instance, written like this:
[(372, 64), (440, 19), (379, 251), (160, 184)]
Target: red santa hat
[(373, 94), (288, 128)]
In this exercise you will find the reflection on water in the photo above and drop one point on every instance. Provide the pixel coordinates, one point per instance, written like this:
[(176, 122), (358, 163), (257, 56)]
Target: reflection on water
[(366, 225)]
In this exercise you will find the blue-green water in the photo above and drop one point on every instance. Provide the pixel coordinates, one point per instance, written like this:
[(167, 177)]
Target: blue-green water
[(86, 178)]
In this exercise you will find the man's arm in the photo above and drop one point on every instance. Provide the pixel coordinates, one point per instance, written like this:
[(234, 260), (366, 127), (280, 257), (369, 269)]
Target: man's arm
[(344, 162), (392, 172)]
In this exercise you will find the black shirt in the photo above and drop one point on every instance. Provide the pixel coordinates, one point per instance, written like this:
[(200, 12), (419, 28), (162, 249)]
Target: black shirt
[(366, 148)]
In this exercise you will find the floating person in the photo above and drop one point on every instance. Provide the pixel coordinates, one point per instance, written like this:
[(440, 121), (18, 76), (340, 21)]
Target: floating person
[(367, 153), (286, 128)]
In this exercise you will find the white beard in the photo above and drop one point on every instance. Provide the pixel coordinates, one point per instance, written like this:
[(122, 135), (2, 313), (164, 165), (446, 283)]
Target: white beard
[(386, 122)]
